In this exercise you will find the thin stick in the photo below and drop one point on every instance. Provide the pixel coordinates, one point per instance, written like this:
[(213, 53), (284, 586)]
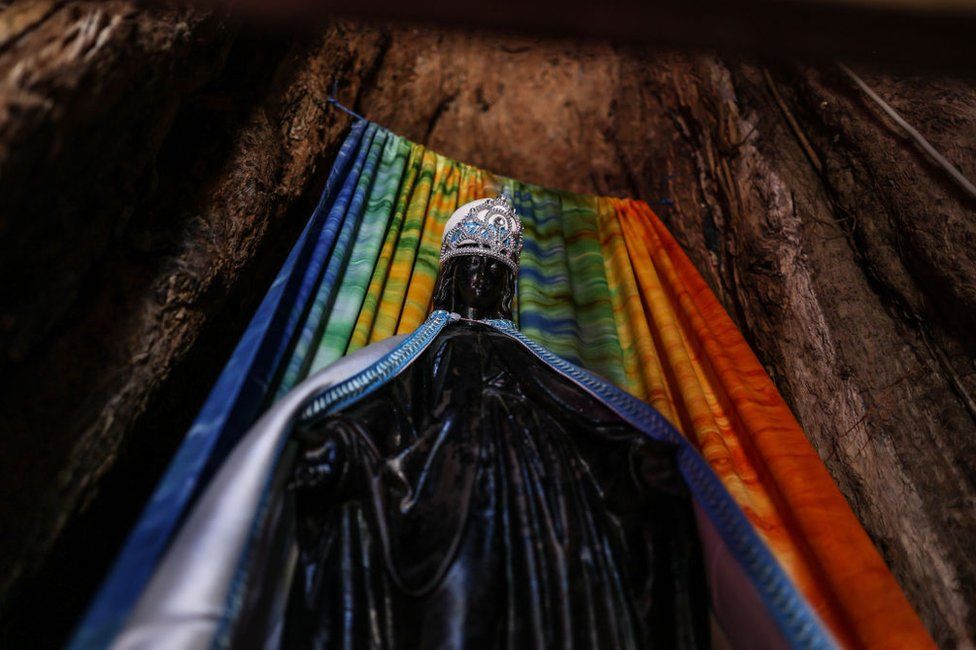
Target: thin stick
[(794, 125), (919, 139)]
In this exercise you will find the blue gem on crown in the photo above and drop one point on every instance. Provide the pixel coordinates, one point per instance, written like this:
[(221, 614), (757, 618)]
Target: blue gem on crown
[(491, 228)]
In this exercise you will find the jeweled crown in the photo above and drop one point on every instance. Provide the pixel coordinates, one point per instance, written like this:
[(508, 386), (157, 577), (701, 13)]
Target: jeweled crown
[(488, 227)]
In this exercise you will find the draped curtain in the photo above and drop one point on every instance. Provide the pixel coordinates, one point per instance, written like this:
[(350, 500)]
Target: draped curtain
[(603, 284)]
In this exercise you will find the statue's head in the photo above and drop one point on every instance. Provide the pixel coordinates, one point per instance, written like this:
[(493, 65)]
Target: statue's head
[(480, 259)]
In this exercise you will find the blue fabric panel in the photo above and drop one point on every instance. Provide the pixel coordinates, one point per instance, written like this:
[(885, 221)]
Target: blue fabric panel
[(348, 213)]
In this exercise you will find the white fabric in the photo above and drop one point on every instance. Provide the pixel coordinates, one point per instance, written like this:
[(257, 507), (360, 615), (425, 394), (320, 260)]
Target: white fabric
[(458, 215), (184, 602)]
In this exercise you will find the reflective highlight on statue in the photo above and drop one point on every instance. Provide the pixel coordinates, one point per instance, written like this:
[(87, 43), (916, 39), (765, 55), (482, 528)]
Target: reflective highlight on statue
[(480, 499)]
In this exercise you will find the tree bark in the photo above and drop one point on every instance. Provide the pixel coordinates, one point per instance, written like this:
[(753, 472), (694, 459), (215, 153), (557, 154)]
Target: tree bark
[(157, 164)]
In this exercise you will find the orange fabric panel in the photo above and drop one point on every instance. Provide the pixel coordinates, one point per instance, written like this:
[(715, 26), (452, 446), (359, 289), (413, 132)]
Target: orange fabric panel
[(730, 408)]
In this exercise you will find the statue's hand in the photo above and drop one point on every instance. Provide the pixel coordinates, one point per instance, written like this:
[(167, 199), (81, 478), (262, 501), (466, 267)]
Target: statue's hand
[(334, 460), (319, 479), (322, 459)]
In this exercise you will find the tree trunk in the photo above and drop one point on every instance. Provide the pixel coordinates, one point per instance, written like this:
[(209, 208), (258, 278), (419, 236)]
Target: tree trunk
[(156, 165)]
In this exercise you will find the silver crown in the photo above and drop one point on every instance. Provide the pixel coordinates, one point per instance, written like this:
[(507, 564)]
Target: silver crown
[(491, 228)]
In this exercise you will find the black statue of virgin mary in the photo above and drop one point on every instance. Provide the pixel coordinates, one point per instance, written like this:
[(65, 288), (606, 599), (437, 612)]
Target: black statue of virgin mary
[(464, 487), (481, 500)]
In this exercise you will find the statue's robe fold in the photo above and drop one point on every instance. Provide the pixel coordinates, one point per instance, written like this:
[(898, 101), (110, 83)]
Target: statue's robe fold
[(564, 502)]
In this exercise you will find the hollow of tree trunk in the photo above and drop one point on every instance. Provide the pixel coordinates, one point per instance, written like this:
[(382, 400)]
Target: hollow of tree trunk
[(155, 166)]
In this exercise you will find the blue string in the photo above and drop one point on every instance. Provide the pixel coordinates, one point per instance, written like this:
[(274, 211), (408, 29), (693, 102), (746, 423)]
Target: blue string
[(335, 102), (333, 91)]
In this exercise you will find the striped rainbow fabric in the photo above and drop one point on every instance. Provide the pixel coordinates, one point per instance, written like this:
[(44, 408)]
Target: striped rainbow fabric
[(603, 284)]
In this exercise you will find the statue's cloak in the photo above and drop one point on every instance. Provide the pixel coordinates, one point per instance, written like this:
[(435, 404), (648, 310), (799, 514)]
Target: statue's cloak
[(479, 500), (235, 555)]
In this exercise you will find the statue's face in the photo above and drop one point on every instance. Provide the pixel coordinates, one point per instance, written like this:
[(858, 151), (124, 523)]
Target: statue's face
[(480, 281)]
